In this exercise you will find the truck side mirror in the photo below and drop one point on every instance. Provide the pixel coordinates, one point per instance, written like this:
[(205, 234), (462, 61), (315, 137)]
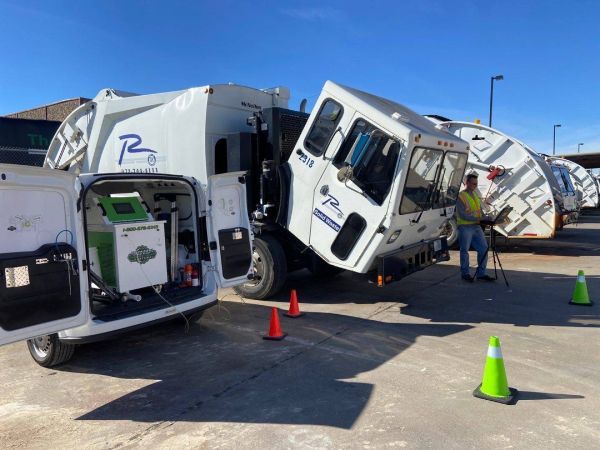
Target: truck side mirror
[(344, 174)]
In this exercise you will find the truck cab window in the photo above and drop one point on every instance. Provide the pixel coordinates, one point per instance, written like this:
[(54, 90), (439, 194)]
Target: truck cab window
[(323, 128), (421, 182), (373, 156), (450, 179)]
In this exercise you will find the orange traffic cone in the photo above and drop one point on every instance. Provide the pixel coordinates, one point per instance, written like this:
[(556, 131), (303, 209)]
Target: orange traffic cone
[(275, 333), (294, 310)]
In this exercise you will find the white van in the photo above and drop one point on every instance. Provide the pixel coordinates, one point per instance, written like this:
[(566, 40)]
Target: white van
[(85, 257)]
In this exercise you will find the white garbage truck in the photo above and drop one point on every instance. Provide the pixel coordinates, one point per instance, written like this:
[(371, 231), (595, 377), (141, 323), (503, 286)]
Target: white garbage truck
[(511, 174), (362, 183), (584, 182), (86, 256)]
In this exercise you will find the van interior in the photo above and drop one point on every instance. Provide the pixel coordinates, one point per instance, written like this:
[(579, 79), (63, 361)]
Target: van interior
[(145, 243)]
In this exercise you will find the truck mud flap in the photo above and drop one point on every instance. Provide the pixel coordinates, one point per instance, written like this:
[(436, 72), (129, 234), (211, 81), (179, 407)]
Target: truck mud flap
[(39, 286), (401, 263), (284, 176)]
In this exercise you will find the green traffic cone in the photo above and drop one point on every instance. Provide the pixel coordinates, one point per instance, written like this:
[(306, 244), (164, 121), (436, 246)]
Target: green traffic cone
[(494, 386), (580, 293)]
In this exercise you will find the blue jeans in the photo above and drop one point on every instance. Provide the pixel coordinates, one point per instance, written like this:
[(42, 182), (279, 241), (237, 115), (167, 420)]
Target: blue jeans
[(472, 236)]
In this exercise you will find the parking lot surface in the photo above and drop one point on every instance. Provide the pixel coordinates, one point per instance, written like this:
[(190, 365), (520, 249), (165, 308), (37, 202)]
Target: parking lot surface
[(366, 367)]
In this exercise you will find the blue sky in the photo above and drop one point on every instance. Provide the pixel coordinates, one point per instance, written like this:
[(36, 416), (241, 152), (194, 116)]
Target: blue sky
[(433, 56)]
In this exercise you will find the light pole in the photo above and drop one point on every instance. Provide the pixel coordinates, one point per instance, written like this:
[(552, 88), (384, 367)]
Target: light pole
[(579, 146), (497, 78), (554, 138)]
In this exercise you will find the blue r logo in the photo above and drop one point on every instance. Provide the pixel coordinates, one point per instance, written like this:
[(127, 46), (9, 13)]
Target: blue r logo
[(133, 146)]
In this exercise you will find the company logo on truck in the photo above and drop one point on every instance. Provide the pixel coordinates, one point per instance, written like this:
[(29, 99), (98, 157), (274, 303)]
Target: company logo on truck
[(328, 220), (334, 204), (131, 144)]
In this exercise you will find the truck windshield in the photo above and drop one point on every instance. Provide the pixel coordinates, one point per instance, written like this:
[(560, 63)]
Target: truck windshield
[(567, 178), (433, 180), (564, 179), (373, 155)]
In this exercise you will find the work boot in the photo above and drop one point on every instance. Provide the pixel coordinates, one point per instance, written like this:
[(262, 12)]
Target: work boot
[(486, 278)]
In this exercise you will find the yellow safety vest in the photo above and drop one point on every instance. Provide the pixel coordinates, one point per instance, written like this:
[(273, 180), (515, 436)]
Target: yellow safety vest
[(473, 207)]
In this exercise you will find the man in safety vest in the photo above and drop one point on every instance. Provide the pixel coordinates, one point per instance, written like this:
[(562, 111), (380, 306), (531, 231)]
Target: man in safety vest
[(470, 234)]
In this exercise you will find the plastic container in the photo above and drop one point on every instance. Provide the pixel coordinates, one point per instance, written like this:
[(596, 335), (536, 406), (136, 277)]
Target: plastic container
[(187, 275)]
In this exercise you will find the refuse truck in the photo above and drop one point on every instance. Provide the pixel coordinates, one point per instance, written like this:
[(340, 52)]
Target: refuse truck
[(87, 256), (513, 175), (571, 200), (584, 181), (361, 183)]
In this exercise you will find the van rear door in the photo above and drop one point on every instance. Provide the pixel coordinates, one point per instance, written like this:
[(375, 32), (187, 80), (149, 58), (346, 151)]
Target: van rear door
[(228, 228), (41, 253)]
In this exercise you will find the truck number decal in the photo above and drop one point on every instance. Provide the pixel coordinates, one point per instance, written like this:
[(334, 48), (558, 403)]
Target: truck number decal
[(306, 160)]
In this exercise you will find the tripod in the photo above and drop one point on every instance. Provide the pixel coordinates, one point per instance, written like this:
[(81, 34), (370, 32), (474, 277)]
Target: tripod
[(492, 246)]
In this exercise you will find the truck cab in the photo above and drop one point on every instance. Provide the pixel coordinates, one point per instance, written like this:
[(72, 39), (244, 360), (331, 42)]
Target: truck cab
[(371, 184), (85, 257)]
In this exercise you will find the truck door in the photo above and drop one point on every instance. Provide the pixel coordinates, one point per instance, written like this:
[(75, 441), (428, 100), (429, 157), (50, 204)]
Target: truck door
[(42, 287), (228, 228), (349, 206)]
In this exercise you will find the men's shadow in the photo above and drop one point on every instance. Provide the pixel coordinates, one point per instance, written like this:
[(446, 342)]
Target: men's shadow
[(223, 371)]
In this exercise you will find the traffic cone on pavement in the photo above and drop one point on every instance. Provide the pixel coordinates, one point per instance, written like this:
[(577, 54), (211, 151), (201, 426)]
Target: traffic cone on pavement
[(294, 310), (275, 333), (580, 293), (494, 386)]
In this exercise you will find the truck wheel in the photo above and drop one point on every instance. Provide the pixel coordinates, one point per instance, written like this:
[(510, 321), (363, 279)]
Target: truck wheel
[(49, 351), (450, 230), (270, 269)]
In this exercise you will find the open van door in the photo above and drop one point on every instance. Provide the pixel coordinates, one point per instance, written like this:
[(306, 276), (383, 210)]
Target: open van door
[(41, 251), (228, 228)]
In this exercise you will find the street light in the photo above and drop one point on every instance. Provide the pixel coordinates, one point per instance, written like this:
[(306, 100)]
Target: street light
[(579, 146), (554, 139), (497, 78)]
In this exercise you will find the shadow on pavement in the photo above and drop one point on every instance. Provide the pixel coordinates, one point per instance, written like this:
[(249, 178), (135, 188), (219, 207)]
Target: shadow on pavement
[(223, 371), (439, 294), (529, 395)]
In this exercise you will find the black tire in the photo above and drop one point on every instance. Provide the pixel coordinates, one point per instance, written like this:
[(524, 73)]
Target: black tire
[(270, 269), (450, 230), (49, 351), (321, 269)]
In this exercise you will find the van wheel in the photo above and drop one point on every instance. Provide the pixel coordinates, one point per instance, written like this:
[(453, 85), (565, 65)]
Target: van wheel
[(270, 269), (450, 230), (49, 351)]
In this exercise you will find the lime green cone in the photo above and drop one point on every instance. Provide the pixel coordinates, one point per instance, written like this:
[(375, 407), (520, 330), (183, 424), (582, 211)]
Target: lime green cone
[(494, 386), (580, 293)]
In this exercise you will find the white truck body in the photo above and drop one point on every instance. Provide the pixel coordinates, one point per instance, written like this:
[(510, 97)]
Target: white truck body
[(173, 132), (185, 132), (47, 262), (523, 180), (583, 181)]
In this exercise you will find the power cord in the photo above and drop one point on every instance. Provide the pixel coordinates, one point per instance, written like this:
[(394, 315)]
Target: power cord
[(156, 289)]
